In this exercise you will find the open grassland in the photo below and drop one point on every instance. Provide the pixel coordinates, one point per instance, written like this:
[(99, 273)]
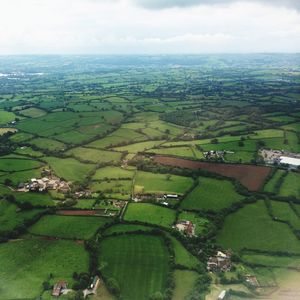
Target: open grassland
[(71, 227), (113, 173), (211, 194), (95, 155), (150, 213), (138, 263), (184, 283), (35, 260), (251, 177), (20, 176), (283, 211), (28, 152), (272, 184), (251, 227), (69, 168), (113, 187), (290, 185), (147, 182), (34, 199), (21, 137)]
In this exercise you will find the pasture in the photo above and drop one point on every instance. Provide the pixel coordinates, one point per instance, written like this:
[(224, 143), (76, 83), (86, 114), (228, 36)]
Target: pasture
[(150, 213), (70, 227), (147, 182), (69, 168), (36, 259), (252, 228), (138, 263), (111, 172), (184, 283), (211, 195), (290, 185)]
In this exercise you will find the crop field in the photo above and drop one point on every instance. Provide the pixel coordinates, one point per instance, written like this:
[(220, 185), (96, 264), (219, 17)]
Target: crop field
[(211, 194), (251, 177), (290, 185), (71, 227), (37, 260), (263, 233), (146, 182), (149, 213), (138, 263)]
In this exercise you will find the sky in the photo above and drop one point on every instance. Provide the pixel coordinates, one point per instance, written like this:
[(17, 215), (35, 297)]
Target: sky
[(148, 26)]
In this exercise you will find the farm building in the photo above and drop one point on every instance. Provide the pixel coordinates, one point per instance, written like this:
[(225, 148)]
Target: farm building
[(187, 227), (222, 295), (220, 262), (292, 161), (58, 288)]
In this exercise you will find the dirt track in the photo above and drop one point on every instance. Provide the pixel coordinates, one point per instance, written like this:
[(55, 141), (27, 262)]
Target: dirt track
[(252, 177)]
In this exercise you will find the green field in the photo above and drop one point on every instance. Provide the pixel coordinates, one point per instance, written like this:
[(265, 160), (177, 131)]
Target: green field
[(150, 213), (184, 283), (36, 259), (6, 117), (69, 168), (112, 173), (146, 182), (251, 227), (94, 155), (47, 144), (272, 184), (138, 263), (11, 164), (71, 227), (211, 194), (290, 185), (32, 112)]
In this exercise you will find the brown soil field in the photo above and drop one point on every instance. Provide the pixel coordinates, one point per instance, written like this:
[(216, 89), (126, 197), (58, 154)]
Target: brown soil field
[(252, 177), (79, 212)]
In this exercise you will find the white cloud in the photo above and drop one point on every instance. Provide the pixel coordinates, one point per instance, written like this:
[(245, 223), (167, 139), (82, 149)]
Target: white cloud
[(119, 26)]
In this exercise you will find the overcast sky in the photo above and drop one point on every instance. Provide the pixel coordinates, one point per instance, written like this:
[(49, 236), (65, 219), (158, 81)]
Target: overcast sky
[(148, 26)]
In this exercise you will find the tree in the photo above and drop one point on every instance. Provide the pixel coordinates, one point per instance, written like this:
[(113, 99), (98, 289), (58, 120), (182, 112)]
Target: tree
[(156, 296), (168, 177), (113, 286)]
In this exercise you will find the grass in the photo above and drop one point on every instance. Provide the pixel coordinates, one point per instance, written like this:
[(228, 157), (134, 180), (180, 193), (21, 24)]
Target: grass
[(95, 155), (200, 222), (184, 283), (111, 172), (150, 213), (272, 261), (113, 187), (139, 147), (138, 263), (32, 112), (211, 195), (21, 176), (35, 259), (271, 185), (251, 227), (6, 117), (284, 212), (34, 199), (11, 165), (182, 256), (69, 168), (47, 144), (11, 217), (290, 185), (146, 182), (71, 227)]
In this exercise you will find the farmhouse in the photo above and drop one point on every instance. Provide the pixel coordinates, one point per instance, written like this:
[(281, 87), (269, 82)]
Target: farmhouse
[(187, 227), (220, 262), (92, 288), (58, 288)]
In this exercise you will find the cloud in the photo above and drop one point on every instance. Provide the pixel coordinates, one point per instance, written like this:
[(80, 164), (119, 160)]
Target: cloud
[(162, 4)]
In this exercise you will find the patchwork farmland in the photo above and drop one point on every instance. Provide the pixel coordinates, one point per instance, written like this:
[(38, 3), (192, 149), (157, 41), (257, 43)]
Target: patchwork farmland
[(120, 179)]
